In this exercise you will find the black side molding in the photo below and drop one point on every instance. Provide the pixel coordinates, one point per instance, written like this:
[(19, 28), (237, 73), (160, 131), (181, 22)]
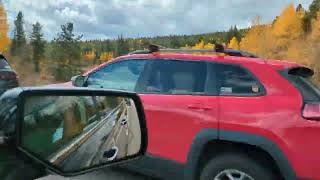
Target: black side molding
[(197, 146), (207, 135)]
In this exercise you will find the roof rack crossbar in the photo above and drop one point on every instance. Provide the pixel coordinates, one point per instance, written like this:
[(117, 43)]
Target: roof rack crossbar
[(157, 48), (175, 50)]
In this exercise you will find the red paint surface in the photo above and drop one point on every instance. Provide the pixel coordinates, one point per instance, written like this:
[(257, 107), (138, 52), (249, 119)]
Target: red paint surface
[(174, 120)]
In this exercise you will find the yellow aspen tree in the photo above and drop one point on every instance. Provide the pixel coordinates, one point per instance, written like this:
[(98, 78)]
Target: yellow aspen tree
[(209, 46), (251, 39), (4, 28), (200, 45), (300, 13), (90, 55), (187, 46), (110, 56), (106, 56), (282, 39), (288, 31), (315, 34), (298, 51), (259, 40), (234, 44), (314, 40), (288, 27), (103, 56)]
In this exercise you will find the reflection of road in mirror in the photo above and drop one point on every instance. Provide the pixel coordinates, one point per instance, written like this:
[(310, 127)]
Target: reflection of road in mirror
[(115, 136), (124, 139)]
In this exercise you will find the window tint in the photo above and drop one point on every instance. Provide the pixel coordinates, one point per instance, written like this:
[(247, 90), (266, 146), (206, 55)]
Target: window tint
[(177, 77), (4, 64), (308, 89), (237, 81), (121, 75)]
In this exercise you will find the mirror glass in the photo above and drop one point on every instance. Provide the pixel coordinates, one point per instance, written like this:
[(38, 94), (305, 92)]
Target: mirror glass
[(78, 80), (74, 133)]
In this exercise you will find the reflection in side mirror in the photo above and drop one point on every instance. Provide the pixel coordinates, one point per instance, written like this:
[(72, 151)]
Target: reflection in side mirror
[(72, 132)]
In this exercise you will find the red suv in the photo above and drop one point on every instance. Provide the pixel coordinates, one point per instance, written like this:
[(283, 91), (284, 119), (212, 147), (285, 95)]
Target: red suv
[(220, 117)]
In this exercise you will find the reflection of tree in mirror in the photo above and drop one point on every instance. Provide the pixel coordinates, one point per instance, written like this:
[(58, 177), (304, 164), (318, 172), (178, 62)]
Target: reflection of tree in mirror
[(52, 121)]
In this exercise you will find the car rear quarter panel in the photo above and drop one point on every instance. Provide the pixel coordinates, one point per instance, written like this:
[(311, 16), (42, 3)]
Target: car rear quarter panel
[(276, 116)]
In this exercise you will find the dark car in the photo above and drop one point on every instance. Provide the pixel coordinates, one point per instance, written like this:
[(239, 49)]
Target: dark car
[(8, 77)]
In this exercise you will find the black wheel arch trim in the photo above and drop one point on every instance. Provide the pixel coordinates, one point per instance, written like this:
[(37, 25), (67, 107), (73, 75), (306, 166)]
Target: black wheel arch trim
[(207, 135)]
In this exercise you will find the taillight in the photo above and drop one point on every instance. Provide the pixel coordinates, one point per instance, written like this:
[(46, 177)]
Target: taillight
[(311, 111), (8, 76)]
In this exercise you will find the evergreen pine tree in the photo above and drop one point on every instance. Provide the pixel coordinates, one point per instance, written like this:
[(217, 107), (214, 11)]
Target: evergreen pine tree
[(38, 45), (19, 38)]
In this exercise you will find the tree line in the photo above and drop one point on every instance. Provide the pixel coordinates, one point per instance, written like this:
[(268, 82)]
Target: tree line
[(68, 54), (294, 34)]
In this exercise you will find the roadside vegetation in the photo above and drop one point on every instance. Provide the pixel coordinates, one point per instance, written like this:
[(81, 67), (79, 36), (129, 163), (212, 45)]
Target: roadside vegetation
[(294, 35)]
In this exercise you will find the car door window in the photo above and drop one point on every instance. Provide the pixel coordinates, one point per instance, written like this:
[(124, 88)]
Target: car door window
[(177, 77), (122, 75), (234, 80)]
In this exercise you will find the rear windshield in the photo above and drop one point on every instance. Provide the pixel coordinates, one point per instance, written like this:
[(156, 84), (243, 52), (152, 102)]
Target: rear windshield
[(306, 85), (4, 64)]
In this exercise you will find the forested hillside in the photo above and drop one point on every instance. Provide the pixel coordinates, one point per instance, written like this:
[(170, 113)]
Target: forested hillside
[(293, 35)]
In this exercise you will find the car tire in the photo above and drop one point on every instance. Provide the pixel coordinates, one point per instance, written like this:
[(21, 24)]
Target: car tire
[(236, 165)]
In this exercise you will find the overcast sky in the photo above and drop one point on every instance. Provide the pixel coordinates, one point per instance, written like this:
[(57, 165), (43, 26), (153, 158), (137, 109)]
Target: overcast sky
[(136, 18)]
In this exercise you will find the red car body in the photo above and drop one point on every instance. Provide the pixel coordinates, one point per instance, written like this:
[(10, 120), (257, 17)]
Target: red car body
[(179, 125)]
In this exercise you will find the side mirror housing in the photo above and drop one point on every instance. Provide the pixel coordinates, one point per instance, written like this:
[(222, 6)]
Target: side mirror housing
[(73, 131), (78, 81)]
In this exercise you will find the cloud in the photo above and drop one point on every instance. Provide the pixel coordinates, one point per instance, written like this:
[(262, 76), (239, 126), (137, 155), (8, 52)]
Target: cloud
[(132, 18)]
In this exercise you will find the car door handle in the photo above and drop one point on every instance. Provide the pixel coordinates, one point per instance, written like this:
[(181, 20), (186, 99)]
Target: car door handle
[(124, 122), (194, 106), (199, 107), (111, 154), (207, 108)]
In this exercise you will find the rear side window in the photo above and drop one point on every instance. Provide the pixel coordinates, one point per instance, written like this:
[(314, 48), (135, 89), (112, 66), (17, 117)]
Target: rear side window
[(308, 89), (176, 77), (234, 80), (4, 64)]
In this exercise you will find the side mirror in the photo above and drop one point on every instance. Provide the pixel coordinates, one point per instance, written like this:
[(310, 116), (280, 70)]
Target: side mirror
[(72, 131), (78, 81)]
